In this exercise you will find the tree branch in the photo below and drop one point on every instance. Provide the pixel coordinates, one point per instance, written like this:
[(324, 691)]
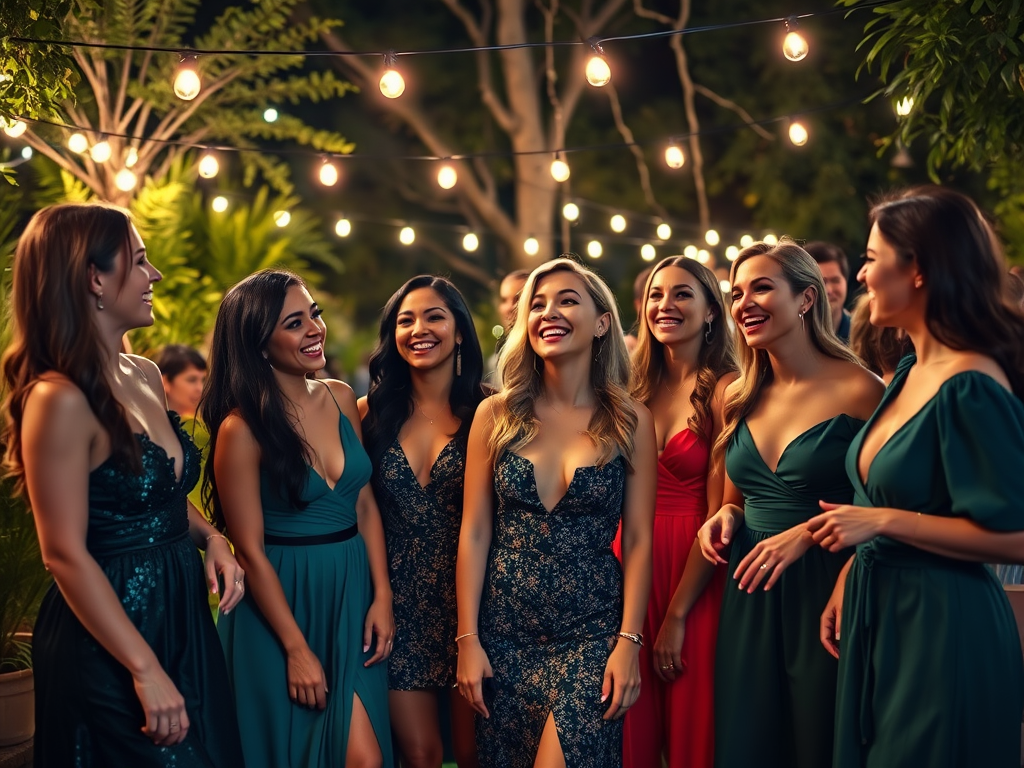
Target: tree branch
[(641, 162), (744, 115), (70, 166), (468, 268)]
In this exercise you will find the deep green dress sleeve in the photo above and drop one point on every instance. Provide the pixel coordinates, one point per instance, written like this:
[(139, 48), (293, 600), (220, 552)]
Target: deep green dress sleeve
[(981, 436)]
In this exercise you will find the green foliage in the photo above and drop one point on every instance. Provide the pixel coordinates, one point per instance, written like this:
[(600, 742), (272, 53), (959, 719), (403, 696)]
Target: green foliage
[(36, 78)]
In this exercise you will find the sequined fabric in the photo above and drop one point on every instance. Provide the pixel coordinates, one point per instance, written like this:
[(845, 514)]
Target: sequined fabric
[(550, 611), (421, 526)]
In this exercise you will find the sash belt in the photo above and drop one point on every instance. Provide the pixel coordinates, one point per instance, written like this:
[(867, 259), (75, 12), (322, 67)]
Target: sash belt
[(308, 541)]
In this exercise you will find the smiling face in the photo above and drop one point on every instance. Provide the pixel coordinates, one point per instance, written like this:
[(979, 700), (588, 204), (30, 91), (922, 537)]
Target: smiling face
[(676, 308), (764, 306), (127, 291), (425, 330), (835, 285), (563, 316), (296, 344), (892, 285)]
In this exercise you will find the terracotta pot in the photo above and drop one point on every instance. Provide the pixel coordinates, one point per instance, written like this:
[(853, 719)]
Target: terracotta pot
[(17, 707)]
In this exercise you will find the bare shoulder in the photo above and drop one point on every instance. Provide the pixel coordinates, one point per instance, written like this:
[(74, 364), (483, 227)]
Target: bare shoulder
[(343, 393), (55, 397), (973, 361), (725, 381), (486, 412), (364, 406), (145, 372), (862, 389), (234, 434), (644, 418)]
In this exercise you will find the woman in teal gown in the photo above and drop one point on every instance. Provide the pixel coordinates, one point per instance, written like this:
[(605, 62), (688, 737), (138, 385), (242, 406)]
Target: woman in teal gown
[(789, 419), (930, 669), (288, 481)]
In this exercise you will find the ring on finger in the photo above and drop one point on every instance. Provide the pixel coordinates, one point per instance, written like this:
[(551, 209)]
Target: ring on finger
[(764, 566)]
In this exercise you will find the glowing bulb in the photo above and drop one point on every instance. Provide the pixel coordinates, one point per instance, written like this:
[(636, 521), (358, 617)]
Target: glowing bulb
[(725, 285), (618, 223), (771, 239), (732, 252), (392, 84), (26, 153), (904, 105), (746, 241), (594, 249), (407, 236), (100, 151), (664, 231), (497, 331), (531, 246), (798, 134), (598, 71), (559, 169), (219, 204), (690, 251), (470, 242), (209, 167), (328, 174), (16, 128), (571, 211), (795, 47), (648, 252), (711, 237), (132, 158), (343, 228), (187, 83), (281, 218), (270, 115), (674, 157), (446, 177), (703, 256), (78, 143), (125, 180)]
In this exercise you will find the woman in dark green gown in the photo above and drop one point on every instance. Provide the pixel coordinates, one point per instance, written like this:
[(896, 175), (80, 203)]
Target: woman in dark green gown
[(789, 419), (930, 669)]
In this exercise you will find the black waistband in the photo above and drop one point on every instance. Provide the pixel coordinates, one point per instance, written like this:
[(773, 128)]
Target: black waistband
[(307, 541)]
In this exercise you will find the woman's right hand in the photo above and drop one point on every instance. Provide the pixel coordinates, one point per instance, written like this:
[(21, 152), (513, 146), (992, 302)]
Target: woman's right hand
[(832, 617), (716, 535), (307, 684), (473, 667), (167, 722)]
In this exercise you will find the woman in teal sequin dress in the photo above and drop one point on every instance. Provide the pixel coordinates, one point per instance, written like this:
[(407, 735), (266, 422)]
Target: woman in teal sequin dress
[(289, 482), (930, 669), (128, 671)]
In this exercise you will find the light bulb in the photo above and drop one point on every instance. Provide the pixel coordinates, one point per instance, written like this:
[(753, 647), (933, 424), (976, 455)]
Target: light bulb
[(746, 241), (559, 169), (674, 157), (690, 251), (648, 252), (618, 223), (132, 157), (664, 231), (732, 252), (771, 239), (78, 143), (594, 249), (16, 128), (703, 255), (125, 180), (798, 134), (598, 71), (26, 153), (531, 246), (904, 105), (470, 242), (407, 236), (711, 237), (571, 211), (328, 174), (281, 218), (446, 177), (270, 115), (392, 84), (208, 166), (100, 151), (794, 47), (343, 228), (219, 204), (186, 82), (725, 285)]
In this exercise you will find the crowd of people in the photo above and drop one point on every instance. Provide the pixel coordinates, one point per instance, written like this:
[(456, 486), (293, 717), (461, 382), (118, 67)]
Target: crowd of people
[(759, 531)]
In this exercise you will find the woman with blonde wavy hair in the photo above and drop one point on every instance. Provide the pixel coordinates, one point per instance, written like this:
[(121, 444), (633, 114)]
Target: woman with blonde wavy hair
[(789, 419), (549, 625)]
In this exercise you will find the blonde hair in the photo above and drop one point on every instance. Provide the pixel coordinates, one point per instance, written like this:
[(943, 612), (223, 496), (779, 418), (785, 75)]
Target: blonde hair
[(614, 422), (800, 272)]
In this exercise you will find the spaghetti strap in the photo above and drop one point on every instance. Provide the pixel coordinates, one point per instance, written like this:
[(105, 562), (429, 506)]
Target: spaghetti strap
[(331, 393)]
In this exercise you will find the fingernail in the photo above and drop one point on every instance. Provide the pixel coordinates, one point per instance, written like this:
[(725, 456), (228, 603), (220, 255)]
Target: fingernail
[(742, 586), (366, 648), (604, 698)]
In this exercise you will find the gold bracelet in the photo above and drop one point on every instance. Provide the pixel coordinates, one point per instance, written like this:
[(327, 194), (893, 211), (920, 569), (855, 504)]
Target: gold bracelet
[(460, 637), (635, 637), (215, 535)]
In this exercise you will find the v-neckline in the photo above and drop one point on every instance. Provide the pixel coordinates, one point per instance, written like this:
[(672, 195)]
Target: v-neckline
[(433, 466), (789, 445), (568, 488), (344, 453)]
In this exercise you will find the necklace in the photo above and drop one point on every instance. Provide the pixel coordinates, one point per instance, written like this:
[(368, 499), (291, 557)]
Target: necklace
[(422, 413)]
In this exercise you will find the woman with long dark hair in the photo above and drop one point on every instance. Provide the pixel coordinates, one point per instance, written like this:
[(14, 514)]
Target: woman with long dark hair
[(789, 418), (425, 386), (288, 481), (930, 663), (127, 666)]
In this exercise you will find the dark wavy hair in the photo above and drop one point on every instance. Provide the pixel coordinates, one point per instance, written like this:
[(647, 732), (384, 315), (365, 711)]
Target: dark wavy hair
[(389, 401), (962, 264), (240, 379)]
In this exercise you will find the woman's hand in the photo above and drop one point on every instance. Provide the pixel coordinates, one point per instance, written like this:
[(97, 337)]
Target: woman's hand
[(166, 720), (380, 621), (220, 560), (307, 684), (771, 557), (716, 534), (621, 678), (668, 649), (832, 617), (843, 525), (473, 667)]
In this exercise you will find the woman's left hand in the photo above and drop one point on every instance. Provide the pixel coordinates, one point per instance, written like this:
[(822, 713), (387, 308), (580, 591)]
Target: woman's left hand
[(771, 557), (380, 621), (844, 525), (621, 678), (220, 560)]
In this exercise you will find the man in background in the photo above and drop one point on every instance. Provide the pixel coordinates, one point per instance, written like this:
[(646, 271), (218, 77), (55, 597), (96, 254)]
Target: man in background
[(835, 269)]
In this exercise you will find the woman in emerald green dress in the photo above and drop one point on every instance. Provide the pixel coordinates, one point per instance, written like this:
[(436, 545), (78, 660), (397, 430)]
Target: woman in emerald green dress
[(930, 669), (789, 419)]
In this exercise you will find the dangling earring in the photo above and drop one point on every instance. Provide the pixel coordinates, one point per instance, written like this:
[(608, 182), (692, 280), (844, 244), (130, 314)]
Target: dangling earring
[(801, 321), (458, 359), (265, 355), (598, 337), (99, 301), (707, 333)]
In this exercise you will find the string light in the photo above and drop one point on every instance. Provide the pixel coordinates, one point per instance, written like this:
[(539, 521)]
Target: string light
[(598, 72), (559, 169), (208, 166), (26, 153), (470, 242), (125, 180), (281, 218), (594, 249), (571, 211), (794, 46), (132, 158), (16, 128), (219, 204), (328, 174), (648, 252), (447, 177), (703, 255), (186, 80), (674, 157), (664, 231), (531, 246), (904, 106), (407, 236), (732, 252), (798, 133), (270, 115), (100, 151), (746, 241), (771, 239), (343, 228), (711, 237), (618, 223), (392, 84), (725, 285), (690, 251)]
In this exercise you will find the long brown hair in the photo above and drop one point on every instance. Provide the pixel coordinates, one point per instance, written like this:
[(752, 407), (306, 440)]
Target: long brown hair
[(962, 264), (52, 320), (716, 357)]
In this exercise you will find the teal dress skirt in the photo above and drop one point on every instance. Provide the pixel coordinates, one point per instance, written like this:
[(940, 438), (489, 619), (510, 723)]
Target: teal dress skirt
[(775, 685), (930, 669), (329, 591)]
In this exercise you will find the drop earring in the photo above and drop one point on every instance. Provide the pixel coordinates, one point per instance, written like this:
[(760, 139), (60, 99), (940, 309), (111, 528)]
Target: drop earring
[(458, 359), (707, 333), (801, 321), (99, 301)]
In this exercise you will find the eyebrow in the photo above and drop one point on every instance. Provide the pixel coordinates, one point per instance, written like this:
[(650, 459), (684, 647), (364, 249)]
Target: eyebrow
[(288, 317), (430, 309), (672, 287), (564, 290)]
